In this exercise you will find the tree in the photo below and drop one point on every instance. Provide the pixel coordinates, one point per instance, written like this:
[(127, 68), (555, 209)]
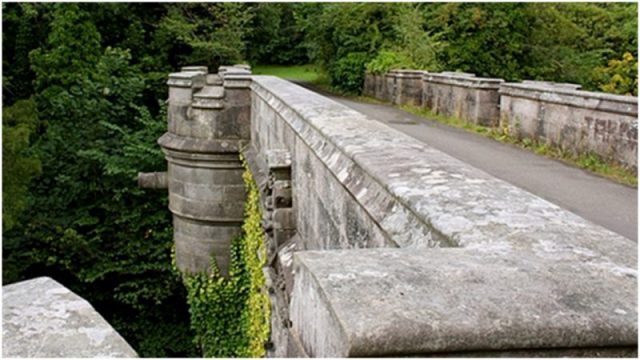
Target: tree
[(619, 76), (206, 34), (19, 122), (275, 36), (25, 27), (88, 224)]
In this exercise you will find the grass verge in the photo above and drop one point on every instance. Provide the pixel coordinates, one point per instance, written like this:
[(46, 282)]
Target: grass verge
[(309, 72)]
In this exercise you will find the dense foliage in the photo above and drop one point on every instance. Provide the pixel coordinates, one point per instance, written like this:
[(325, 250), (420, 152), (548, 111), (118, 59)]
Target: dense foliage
[(85, 221), (83, 93), (82, 108), (19, 122), (230, 316), (567, 42)]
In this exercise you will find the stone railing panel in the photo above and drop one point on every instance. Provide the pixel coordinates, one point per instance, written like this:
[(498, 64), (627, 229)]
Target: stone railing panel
[(579, 121), (464, 96), (409, 87)]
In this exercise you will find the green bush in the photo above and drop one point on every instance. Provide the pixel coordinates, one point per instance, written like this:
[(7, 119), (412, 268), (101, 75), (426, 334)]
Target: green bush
[(347, 74), (387, 60), (619, 76), (230, 316)]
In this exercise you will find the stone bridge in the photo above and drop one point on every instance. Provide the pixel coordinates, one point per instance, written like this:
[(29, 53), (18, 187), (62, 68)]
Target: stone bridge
[(378, 244)]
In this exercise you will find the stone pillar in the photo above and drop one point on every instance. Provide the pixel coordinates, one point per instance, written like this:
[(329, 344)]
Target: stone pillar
[(390, 92), (208, 124), (409, 87)]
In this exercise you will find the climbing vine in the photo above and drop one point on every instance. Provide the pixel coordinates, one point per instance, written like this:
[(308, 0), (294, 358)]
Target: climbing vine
[(230, 316)]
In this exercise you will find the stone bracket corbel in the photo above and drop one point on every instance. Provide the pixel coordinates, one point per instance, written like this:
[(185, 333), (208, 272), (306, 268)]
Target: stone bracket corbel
[(279, 218)]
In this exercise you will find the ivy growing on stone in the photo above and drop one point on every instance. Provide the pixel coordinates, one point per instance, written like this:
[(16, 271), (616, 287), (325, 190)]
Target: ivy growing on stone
[(230, 316)]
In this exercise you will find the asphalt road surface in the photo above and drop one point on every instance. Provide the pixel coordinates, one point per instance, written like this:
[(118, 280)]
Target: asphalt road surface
[(599, 200)]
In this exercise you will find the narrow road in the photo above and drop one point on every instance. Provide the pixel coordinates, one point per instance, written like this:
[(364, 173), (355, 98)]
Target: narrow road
[(599, 200)]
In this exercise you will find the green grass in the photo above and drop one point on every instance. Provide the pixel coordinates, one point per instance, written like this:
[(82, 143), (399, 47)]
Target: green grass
[(310, 73), (587, 161)]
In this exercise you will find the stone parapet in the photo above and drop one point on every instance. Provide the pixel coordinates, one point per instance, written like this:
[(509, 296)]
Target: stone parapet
[(43, 319), (399, 302), (370, 83), (448, 93), (335, 182), (620, 104), (567, 86), (523, 275), (580, 121), (464, 96)]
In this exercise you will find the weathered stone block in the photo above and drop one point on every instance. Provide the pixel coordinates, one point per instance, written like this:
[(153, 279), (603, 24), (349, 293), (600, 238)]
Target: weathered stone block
[(187, 79), (153, 180), (567, 86), (278, 159), (284, 219), (198, 242), (409, 87), (43, 319), (395, 302), (210, 97), (201, 69)]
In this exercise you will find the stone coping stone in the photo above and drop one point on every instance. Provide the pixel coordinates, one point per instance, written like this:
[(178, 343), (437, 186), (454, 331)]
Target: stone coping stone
[(568, 86), (392, 302), (229, 70), (188, 79), (410, 74), (458, 74), (463, 81), (41, 318), (391, 73), (620, 104), (410, 188), (196, 68)]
